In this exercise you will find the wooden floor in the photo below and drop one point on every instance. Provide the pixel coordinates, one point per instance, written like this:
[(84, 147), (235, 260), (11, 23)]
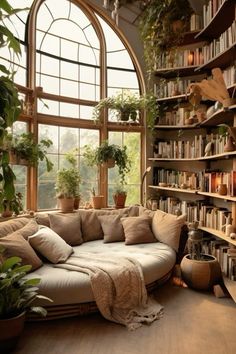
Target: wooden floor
[(193, 323)]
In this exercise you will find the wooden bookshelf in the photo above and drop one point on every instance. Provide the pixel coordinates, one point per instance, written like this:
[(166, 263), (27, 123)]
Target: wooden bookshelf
[(230, 286), (179, 190), (222, 156), (221, 115), (190, 126), (218, 233), (218, 196), (180, 71)]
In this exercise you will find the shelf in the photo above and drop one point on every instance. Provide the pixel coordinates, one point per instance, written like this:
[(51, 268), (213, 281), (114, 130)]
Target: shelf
[(217, 25), (222, 115), (230, 286), (216, 195), (218, 233), (173, 98), (224, 155), (221, 60), (189, 191), (180, 71), (190, 126)]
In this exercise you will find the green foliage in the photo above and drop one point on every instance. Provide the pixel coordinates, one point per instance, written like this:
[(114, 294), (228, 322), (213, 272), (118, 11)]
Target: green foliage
[(156, 27), (14, 204), (25, 147), (10, 108), (107, 151), (17, 293), (68, 179)]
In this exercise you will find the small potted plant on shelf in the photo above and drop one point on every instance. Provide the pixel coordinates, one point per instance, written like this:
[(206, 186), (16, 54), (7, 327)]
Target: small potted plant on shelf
[(16, 297), (67, 183), (199, 271), (26, 151), (97, 200)]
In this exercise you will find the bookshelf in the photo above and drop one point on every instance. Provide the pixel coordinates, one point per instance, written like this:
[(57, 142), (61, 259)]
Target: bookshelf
[(174, 155)]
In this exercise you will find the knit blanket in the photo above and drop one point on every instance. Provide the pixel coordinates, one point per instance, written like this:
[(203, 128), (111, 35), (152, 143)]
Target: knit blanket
[(118, 287)]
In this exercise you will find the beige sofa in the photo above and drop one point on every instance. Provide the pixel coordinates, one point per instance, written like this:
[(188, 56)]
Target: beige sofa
[(151, 238)]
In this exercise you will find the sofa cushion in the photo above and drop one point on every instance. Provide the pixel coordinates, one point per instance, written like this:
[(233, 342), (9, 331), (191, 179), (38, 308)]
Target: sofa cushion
[(90, 224), (112, 228), (167, 228), (9, 226), (15, 245), (137, 230), (42, 219), (68, 226), (50, 245), (29, 229)]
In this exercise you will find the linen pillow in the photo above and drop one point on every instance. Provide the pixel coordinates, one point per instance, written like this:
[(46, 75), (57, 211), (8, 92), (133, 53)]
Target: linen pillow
[(29, 229), (167, 228), (112, 228), (50, 245), (42, 219), (137, 229), (90, 224), (9, 226), (67, 226), (16, 245)]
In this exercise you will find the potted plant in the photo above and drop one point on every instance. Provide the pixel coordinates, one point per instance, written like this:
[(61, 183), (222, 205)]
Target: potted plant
[(27, 151), (199, 271), (16, 297), (67, 183), (12, 206), (119, 196), (162, 25), (97, 200), (107, 152)]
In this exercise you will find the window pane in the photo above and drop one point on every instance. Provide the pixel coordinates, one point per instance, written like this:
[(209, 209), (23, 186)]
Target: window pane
[(49, 65), (69, 49), (69, 110), (85, 112), (69, 88), (87, 92), (48, 107), (68, 139), (119, 78), (69, 70)]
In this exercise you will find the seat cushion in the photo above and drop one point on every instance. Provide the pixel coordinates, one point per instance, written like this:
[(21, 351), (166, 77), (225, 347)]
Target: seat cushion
[(70, 287)]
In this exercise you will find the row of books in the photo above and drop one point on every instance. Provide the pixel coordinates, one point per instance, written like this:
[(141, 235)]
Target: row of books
[(217, 46), (194, 148), (210, 9), (181, 58), (168, 88), (175, 117), (224, 253), (208, 215), (203, 181), (196, 22)]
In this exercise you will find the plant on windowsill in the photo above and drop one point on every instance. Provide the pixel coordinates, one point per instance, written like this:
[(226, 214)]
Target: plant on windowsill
[(26, 151), (119, 196), (16, 297), (13, 206), (67, 183), (10, 107), (126, 107)]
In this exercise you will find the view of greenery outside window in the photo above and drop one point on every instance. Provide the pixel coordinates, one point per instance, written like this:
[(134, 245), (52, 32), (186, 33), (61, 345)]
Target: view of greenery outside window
[(68, 64), (64, 140), (132, 141)]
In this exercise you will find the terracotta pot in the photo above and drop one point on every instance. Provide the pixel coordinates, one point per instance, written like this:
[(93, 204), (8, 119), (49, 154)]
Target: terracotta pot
[(10, 330), (119, 200), (66, 205), (98, 201), (7, 213), (229, 146), (110, 163), (201, 274)]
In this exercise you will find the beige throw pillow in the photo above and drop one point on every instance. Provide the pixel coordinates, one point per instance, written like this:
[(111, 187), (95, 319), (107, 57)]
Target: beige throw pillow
[(9, 226), (137, 230), (16, 245), (50, 245), (112, 228), (167, 228), (29, 229), (67, 226)]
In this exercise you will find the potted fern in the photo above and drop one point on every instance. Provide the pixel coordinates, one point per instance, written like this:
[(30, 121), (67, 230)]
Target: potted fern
[(16, 297)]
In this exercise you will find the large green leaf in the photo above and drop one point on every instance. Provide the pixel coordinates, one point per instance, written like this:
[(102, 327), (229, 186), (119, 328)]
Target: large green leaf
[(9, 263)]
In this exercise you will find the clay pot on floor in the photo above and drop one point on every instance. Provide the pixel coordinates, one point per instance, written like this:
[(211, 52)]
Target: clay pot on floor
[(10, 331)]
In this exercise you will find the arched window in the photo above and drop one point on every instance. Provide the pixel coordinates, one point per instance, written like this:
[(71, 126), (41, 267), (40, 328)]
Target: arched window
[(76, 57)]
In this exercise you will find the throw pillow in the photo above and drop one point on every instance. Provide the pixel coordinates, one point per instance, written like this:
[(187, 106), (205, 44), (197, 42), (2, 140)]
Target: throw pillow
[(29, 229), (16, 245), (50, 245), (112, 228), (42, 219), (67, 226), (137, 229), (9, 226), (167, 228)]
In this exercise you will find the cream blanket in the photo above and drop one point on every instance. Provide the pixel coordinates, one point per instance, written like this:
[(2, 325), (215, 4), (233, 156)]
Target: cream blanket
[(118, 287)]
